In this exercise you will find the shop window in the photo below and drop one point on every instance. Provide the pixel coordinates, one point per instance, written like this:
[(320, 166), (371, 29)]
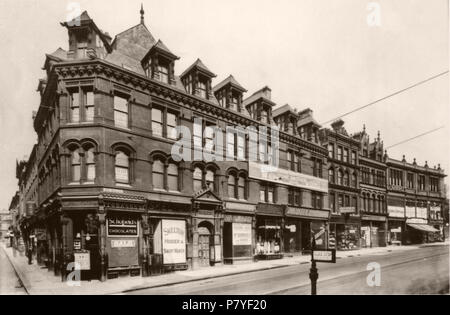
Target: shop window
[(268, 237), (121, 111), (122, 167), (172, 177), (198, 179), (158, 174)]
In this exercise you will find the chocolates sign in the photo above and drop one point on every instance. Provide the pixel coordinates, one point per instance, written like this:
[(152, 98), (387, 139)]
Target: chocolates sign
[(122, 226)]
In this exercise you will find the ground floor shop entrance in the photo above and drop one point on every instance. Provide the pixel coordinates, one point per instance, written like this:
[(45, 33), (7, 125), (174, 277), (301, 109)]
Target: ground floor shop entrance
[(373, 232), (347, 236), (204, 243)]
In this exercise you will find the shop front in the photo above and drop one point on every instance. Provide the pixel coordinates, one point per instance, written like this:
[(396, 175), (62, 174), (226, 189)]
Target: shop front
[(373, 231), (436, 221), (345, 232), (300, 225), (396, 225), (238, 233), (418, 231), (269, 230)]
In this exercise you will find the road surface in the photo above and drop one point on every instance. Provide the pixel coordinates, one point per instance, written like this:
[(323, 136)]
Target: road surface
[(9, 282), (418, 271)]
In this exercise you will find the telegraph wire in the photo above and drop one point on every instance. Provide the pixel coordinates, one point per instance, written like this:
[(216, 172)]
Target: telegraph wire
[(388, 96), (413, 138)]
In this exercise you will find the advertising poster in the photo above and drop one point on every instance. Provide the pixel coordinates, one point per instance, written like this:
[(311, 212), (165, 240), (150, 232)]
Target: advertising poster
[(242, 239), (173, 241)]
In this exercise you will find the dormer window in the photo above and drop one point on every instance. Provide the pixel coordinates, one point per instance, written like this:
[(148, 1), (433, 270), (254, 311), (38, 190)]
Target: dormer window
[(229, 94), (159, 63), (197, 80), (264, 117)]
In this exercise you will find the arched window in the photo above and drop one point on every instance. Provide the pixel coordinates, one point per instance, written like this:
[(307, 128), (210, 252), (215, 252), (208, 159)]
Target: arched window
[(340, 177), (76, 165), (122, 167), (158, 174), (331, 175), (172, 177), (198, 179), (354, 180), (90, 165), (209, 179), (232, 186), (375, 204), (242, 194), (346, 179)]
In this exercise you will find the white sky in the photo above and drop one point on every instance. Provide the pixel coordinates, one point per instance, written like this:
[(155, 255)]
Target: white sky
[(317, 54)]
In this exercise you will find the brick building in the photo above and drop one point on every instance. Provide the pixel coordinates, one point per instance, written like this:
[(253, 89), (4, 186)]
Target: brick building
[(415, 202), (112, 197), (372, 190), (344, 186)]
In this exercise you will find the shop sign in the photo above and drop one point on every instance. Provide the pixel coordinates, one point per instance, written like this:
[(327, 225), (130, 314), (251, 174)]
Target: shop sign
[(288, 177), (396, 212), (373, 218), (237, 218), (232, 206), (410, 212), (397, 230), (416, 221), (41, 234), (173, 241), (123, 243), (343, 210), (119, 226), (83, 259), (242, 234), (307, 213), (326, 256)]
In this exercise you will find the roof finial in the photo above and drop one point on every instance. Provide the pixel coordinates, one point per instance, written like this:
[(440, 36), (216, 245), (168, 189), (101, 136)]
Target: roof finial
[(364, 128), (142, 13)]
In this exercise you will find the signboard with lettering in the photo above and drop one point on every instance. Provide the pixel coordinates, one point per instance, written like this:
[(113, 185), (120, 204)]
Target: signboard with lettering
[(122, 226), (287, 177), (344, 210), (83, 259), (173, 241), (242, 234), (307, 213), (327, 256), (396, 212)]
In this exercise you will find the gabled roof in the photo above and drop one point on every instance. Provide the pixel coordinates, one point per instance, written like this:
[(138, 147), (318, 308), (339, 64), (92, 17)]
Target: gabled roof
[(263, 94), (232, 81), (79, 20), (161, 47), (283, 109), (306, 118), (201, 67), (58, 55)]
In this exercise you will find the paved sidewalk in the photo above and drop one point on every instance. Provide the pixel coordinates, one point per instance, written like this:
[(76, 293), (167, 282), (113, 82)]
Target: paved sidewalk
[(38, 281)]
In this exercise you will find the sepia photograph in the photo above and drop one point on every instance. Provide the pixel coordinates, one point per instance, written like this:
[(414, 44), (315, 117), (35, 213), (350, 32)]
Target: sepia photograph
[(226, 155)]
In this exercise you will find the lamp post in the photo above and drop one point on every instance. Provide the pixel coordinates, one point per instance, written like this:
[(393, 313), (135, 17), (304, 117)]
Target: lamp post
[(313, 274)]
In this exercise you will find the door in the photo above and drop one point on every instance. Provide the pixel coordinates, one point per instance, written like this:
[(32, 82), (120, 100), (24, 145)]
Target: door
[(203, 247)]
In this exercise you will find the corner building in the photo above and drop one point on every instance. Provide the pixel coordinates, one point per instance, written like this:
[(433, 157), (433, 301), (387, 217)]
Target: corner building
[(112, 197)]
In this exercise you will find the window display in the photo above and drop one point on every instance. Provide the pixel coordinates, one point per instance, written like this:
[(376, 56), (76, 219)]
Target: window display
[(268, 239)]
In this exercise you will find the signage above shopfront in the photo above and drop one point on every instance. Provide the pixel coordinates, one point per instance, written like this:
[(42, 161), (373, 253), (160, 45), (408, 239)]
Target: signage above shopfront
[(307, 213), (373, 218), (286, 177), (396, 212), (122, 226), (416, 221), (345, 210)]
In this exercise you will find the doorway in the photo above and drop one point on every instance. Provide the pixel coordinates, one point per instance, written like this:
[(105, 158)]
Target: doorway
[(204, 243)]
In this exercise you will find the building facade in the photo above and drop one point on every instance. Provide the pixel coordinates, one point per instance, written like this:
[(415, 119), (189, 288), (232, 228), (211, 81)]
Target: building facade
[(114, 198), (373, 190), (344, 186), (415, 202)]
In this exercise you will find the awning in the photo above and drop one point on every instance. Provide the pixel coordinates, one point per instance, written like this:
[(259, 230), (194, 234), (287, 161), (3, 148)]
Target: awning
[(423, 228)]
